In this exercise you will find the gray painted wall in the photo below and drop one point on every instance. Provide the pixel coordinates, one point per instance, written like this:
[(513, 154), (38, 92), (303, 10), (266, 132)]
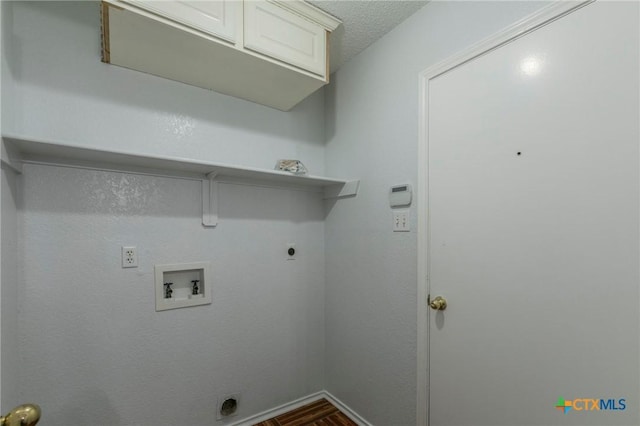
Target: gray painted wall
[(372, 133), (9, 265), (11, 283), (96, 351), (96, 347), (7, 85)]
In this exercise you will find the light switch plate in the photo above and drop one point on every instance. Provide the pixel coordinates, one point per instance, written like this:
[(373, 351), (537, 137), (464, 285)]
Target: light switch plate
[(401, 221)]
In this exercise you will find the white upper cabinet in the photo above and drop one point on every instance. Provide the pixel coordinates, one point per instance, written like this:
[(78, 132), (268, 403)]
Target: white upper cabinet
[(276, 32), (217, 18), (272, 52)]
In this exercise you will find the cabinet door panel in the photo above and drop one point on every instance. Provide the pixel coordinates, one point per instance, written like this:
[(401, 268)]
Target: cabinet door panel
[(282, 35), (217, 18)]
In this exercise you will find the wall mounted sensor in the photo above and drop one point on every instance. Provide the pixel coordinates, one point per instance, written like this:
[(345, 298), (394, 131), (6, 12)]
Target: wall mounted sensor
[(400, 195)]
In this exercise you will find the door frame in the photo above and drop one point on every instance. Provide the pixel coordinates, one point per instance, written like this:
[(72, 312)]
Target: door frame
[(538, 19)]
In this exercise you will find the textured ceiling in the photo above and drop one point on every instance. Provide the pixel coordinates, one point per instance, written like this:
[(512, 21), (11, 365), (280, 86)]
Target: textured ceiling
[(363, 22)]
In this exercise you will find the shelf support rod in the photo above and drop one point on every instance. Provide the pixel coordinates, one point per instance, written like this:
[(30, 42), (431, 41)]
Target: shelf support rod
[(210, 200)]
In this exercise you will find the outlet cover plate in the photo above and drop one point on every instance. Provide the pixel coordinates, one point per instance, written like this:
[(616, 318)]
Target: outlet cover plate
[(129, 257), (401, 221)]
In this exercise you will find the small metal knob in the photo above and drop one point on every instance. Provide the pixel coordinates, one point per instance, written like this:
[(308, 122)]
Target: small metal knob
[(24, 415), (439, 303)]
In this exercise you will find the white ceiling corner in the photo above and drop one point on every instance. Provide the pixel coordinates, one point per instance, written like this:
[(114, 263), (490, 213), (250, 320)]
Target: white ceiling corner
[(364, 21)]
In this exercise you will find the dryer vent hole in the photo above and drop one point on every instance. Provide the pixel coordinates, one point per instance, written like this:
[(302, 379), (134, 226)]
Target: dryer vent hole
[(229, 407)]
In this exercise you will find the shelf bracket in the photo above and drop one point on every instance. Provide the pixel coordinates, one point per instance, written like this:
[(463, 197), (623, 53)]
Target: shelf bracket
[(10, 157), (210, 200), (342, 190)]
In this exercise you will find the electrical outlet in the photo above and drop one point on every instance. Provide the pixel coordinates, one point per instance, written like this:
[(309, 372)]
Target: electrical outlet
[(401, 221), (129, 257)]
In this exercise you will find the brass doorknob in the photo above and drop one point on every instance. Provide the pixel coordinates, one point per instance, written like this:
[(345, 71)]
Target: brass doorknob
[(439, 303), (24, 415)]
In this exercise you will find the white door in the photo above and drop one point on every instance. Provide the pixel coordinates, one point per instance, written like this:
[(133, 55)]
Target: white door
[(533, 186)]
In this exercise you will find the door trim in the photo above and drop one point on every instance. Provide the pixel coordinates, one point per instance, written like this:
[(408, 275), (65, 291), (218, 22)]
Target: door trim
[(520, 28)]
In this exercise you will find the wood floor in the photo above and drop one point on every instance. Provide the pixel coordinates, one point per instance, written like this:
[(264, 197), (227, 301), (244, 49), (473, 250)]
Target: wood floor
[(319, 413)]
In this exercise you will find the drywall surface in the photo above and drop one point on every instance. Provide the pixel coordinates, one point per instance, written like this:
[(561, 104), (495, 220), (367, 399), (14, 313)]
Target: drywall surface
[(372, 133), (9, 270), (10, 277), (93, 348), (7, 98), (64, 92)]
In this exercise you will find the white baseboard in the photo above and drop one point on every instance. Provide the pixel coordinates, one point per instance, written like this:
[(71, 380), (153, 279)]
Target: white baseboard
[(281, 409), (346, 410), (284, 408)]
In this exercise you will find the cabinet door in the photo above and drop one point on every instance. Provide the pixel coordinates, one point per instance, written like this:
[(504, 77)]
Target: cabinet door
[(282, 35), (217, 18)]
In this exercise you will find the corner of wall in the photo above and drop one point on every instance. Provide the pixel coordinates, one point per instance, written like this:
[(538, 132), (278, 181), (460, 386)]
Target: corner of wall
[(9, 279), (371, 114)]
